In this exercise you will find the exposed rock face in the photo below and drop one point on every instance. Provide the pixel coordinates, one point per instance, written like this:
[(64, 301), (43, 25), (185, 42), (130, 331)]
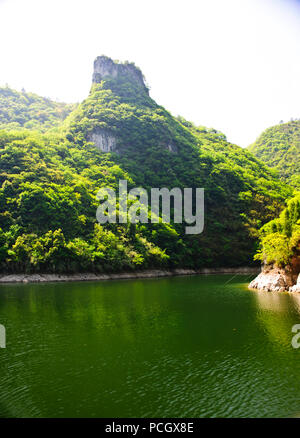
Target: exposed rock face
[(296, 287), (273, 279), (172, 148), (295, 267), (105, 67), (103, 140)]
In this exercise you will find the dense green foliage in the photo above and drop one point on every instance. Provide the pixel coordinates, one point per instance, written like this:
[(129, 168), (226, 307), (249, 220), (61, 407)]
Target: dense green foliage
[(280, 238), (279, 148), (48, 207), (49, 184), (27, 110)]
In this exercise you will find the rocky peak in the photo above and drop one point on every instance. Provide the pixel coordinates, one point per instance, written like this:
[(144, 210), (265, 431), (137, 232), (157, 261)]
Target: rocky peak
[(105, 67)]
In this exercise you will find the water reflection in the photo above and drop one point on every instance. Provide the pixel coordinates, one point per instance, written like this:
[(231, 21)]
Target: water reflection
[(168, 347), (277, 312)]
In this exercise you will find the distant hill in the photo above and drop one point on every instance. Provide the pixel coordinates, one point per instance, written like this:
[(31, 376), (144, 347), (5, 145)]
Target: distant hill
[(30, 111), (279, 147)]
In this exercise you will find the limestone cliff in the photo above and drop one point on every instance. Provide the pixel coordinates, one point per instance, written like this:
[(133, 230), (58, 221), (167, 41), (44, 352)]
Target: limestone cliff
[(103, 140), (274, 279), (105, 67)]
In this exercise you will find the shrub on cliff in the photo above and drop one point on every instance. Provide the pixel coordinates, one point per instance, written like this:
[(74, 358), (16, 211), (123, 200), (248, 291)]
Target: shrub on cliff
[(280, 238)]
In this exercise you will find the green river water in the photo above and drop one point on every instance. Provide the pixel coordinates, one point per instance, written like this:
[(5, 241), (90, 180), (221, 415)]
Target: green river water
[(199, 346)]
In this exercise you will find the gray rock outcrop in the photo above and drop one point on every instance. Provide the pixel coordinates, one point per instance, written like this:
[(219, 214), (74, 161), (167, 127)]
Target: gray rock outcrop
[(296, 287), (105, 67), (273, 279), (103, 140)]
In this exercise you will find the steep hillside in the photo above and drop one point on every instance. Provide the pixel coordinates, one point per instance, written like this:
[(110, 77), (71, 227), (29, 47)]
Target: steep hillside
[(49, 184), (279, 148), (30, 111)]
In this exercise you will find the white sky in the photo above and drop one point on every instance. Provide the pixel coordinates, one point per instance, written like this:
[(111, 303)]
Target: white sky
[(229, 64)]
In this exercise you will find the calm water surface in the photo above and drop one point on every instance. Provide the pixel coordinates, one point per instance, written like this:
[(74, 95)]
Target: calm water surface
[(200, 346)]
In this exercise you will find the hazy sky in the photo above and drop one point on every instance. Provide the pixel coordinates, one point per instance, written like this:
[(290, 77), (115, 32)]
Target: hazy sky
[(229, 64)]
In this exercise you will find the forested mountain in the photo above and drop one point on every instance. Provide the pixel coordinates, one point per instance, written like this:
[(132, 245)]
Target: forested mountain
[(279, 148), (28, 110), (49, 184)]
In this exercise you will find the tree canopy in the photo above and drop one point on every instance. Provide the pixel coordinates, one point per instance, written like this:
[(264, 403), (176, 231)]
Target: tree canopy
[(279, 148), (280, 238), (20, 110)]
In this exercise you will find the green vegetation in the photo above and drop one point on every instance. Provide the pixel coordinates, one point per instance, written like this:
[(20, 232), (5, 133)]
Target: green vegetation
[(49, 184), (48, 207), (280, 238), (20, 110), (279, 148)]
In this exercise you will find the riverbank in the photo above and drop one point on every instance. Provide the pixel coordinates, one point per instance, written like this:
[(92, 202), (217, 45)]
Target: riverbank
[(154, 273)]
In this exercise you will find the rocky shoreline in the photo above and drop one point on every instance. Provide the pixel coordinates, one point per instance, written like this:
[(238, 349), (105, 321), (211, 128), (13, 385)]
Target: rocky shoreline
[(273, 279), (155, 273)]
